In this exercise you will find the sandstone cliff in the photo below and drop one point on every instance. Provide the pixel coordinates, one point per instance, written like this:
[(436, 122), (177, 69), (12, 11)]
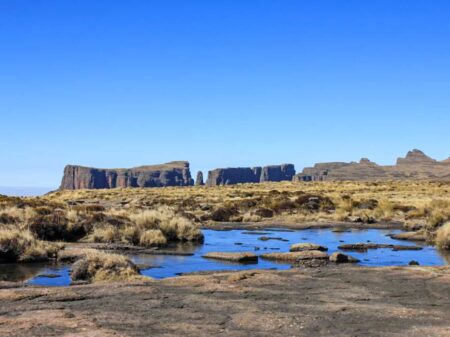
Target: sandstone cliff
[(237, 175), (416, 165), (175, 173)]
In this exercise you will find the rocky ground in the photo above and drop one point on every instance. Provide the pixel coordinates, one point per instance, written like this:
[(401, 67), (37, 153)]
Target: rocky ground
[(329, 301)]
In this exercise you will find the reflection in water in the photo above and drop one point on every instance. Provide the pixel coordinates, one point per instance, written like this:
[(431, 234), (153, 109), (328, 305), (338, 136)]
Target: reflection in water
[(445, 255), (20, 271), (161, 266)]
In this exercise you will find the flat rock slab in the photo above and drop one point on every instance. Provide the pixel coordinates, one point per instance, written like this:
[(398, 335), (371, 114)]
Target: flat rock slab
[(233, 257), (295, 256), (362, 247), (413, 236), (332, 301), (299, 247), (255, 233), (267, 238)]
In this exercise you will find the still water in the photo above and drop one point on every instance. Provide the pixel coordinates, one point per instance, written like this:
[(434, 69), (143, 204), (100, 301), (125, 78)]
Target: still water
[(161, 266)]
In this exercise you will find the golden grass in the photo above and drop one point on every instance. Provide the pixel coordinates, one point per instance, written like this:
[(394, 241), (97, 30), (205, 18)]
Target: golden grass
[(152, 237), (148, 228), (443, 236), (106, 234), (98, 266), (122, 215), (21, 246)]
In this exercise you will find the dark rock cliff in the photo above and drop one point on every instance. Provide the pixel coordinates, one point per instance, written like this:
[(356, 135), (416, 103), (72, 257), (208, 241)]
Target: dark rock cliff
[(238, 175), (171, 174)]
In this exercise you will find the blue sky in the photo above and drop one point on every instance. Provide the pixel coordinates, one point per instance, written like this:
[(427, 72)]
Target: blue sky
[(219, 83)]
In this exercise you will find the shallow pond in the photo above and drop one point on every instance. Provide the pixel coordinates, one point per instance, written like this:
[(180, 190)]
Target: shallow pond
[(243, 241)]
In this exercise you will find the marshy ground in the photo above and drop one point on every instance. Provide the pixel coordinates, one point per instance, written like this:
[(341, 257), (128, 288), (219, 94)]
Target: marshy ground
[(316, 299)]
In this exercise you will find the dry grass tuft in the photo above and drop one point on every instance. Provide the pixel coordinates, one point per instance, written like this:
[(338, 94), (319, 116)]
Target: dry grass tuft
[(22, 246), (152, 237), (443, 236), (98, 266), (148, 228)]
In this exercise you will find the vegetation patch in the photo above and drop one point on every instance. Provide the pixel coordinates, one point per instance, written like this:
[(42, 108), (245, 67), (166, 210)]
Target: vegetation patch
[(443, 236), (97, 266), (22, 246)]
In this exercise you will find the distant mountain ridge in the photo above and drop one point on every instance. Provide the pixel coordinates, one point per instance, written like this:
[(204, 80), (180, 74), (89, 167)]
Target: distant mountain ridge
[(415, 165)]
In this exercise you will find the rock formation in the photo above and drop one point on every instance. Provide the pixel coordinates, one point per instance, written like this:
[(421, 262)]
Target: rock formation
[(238, 175), (170, 174), (199, 179), (416, 165)]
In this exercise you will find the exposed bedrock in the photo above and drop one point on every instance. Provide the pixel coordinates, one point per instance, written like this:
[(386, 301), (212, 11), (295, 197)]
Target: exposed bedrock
[(238, 175), (175, 173)]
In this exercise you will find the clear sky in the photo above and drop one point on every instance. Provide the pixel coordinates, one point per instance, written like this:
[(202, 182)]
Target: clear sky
[(219, 83)]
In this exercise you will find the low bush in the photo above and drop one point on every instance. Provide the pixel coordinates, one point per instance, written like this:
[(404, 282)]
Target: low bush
[(56, 227), (264, 212), (314, 203), (224, 213)]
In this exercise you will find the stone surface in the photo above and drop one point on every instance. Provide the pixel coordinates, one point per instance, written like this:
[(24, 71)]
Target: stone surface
[(333, 301), (416, 165), (366, 246), (298, 247), (240, 175), (233, 257), (171, 174), (295, 256), (338, 257), (413, 236)]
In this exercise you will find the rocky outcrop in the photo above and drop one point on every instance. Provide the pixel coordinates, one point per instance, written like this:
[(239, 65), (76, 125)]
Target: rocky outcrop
[(416, 157), (296, 256), (299, 247), (175, 173), (366, 246), (416, 165), (338, 257), (233, 257), (240, 175), (199, 179)]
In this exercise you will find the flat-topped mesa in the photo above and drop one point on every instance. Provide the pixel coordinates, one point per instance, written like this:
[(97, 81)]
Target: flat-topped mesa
[(175, 173), (416, 165), (241, 175)]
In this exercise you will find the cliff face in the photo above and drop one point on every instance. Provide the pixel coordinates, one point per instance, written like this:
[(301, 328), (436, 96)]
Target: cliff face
[(170, 174), (416, 165), (238, 175)]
